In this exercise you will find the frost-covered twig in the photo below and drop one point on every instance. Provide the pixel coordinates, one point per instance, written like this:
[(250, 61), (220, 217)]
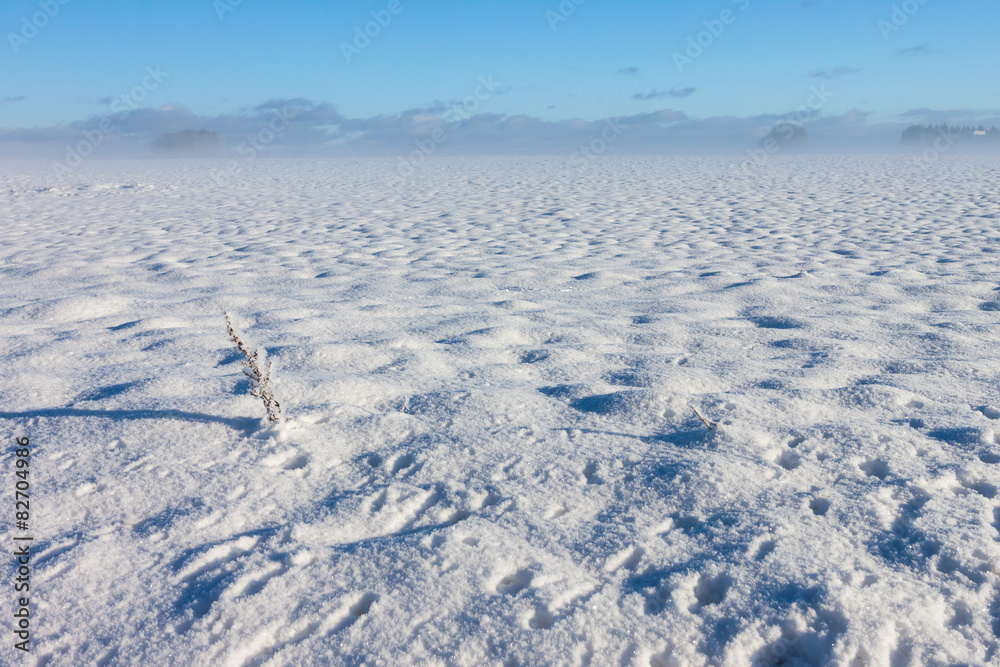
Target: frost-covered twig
[(260, 379), (711, 425)]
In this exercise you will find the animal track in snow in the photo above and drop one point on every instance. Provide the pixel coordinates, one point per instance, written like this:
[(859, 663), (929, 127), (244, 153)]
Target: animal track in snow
[(789, 460), (287, 460), (556, 512), (108, 658), (542, 619), (55, 572), (583, 655), (54, 551), (629, 378), (376, 501), (962, 617), (402, 462), (135, 464), (200, 592), (506, 468), (274, 639), (985, 489), (400, 465), (590, 474), (533, 356), (357, 610), (765, 548), (775, 322), (687, 524), (905, 542), (210, 520), (218, 556), (489, 500), (627, 559), (988, 412), (404, 508), (710, 590), (655, 588), (253, 583), (219, 629), (819, 506), (512, 584), (88, 488), (876, 468), (296, 462)]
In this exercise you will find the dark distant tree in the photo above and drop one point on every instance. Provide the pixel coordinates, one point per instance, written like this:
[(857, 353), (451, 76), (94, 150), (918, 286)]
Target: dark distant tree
[(785, 135), (915, 134), (188, 141)]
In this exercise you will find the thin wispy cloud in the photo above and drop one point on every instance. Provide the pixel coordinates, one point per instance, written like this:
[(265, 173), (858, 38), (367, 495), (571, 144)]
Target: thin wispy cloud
[(651, 95), (919, 50), (679, 93), (17, 98), (835, 73), (629, 70), (954, 116)]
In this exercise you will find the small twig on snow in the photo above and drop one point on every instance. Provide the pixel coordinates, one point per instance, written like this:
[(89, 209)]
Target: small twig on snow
[(709, 425)]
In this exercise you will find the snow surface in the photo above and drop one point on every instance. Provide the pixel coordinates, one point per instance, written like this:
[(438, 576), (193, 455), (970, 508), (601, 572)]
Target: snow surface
[(490, 367)]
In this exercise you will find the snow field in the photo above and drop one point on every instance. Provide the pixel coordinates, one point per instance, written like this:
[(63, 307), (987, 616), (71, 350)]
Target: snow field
[(489, 368)]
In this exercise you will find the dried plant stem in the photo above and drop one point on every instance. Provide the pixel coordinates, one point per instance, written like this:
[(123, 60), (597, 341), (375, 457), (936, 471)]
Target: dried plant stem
[(260, 379), (709, 425)]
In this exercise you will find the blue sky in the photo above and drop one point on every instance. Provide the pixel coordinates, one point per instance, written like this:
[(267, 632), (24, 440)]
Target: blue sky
[(881, 63)]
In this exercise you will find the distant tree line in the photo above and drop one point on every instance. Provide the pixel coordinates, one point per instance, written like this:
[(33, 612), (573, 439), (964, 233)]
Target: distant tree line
[(926, 134), (188, 140)]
